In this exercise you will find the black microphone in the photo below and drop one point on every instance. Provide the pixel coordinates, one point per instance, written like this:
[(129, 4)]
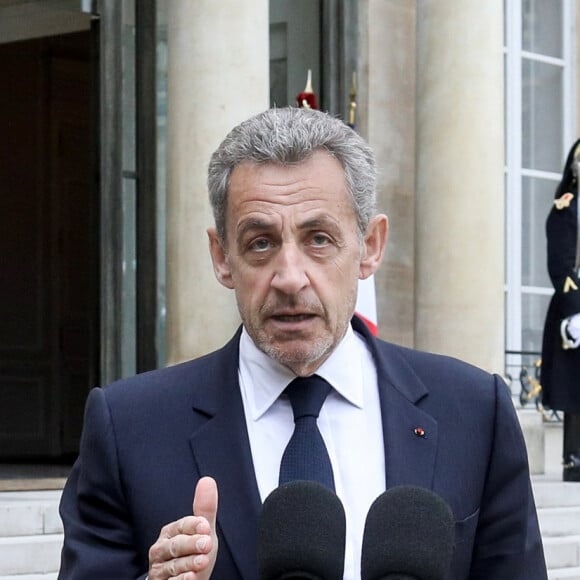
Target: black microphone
[(301, 534), (409, 535)]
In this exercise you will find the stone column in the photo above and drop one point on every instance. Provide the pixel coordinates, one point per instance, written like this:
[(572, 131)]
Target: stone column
[(387, 120), (460, 182), (217, 76)]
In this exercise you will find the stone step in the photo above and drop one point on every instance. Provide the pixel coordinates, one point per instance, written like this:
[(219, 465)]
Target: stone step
[(30, 554), (564, 574), (558, 505), (29, 513), (550, 494), (50, 576), (562, 551), (559, 521), (30, 535)]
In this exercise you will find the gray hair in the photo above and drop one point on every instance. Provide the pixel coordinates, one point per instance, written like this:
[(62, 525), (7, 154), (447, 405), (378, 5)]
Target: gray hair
[(291, 135)]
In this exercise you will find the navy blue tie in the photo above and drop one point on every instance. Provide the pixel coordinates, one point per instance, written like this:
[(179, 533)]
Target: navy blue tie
[(306, 456)]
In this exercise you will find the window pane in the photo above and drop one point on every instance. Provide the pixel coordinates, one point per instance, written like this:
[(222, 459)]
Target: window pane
[(279, 65), (129, 96), (537, 199), (129, 281), (161, 75), (534, 308), (542, 116), (295, 37), (506, 88), (542, 27)]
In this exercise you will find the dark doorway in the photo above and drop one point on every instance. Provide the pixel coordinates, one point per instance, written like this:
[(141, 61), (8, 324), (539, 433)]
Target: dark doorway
[(49, 337)]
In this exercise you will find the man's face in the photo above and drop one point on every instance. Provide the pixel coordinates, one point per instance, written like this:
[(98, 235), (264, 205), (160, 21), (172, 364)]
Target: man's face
[(293, 256)]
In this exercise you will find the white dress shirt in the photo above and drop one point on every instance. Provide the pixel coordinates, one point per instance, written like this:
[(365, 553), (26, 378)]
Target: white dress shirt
[(350, 423)]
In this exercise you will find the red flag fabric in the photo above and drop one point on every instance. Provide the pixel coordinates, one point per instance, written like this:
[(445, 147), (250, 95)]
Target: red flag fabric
[(307, 99), (366, 304)]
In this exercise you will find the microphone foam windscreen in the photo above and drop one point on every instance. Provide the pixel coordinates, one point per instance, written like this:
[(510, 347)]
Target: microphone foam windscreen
[(409, 533), (301, 533)]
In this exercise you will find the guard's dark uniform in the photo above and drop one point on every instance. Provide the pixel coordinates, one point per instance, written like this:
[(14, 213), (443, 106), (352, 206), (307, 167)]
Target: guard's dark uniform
[(560, 371)]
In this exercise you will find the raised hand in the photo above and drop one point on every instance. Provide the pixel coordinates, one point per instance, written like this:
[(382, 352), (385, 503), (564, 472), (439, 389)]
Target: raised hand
[(187, 548)]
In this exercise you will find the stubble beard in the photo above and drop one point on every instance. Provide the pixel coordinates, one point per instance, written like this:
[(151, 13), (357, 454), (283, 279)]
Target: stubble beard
[(302, 353), (298, 357)]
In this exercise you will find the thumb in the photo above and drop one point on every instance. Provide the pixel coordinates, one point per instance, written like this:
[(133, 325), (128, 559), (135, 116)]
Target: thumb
[(205, 500)]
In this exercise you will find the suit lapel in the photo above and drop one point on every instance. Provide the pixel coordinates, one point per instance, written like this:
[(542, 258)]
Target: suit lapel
[(410, 439), (221, 449), (410, 434)]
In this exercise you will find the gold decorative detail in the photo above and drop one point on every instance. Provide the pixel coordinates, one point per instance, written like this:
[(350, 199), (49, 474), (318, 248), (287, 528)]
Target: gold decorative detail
[(569, 284), (352, 104), (564, 201)]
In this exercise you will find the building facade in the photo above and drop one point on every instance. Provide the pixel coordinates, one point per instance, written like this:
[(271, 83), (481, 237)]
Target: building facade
[(111, 113)]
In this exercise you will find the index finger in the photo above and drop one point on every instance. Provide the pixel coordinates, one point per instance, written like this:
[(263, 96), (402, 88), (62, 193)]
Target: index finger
[(188, 525)]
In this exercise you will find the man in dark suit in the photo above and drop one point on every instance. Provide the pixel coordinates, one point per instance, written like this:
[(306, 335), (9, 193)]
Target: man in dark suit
[(293, 195), (560, 370)]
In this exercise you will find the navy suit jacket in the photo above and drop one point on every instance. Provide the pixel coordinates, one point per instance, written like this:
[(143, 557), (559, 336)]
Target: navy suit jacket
[(148, 439)]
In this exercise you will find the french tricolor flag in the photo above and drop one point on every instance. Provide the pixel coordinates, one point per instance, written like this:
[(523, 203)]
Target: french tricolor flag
[(366, 303)]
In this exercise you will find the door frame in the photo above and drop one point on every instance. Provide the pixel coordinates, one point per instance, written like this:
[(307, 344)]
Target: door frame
[(128, 187)]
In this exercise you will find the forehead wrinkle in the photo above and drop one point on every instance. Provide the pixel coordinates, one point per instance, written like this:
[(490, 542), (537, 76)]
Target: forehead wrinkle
[(287, 194)]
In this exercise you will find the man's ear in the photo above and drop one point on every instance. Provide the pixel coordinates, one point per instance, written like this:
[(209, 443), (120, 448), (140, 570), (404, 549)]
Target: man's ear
[(219, 259), (374, 246)]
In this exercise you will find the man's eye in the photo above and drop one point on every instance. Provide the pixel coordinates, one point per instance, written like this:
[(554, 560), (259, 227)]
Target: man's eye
[(320, 240), (260, 245)]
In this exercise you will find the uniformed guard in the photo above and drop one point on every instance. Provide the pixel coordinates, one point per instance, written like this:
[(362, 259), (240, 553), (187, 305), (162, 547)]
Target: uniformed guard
[(560, 370)]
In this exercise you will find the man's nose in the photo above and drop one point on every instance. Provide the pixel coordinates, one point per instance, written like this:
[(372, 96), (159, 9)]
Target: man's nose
[(289, 270)]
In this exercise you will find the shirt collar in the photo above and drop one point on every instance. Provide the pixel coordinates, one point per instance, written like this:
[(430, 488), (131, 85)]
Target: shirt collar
[(263, 379)]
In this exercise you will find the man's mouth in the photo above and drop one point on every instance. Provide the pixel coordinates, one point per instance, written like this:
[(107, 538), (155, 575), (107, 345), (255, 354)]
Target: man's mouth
[(292, 317)]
